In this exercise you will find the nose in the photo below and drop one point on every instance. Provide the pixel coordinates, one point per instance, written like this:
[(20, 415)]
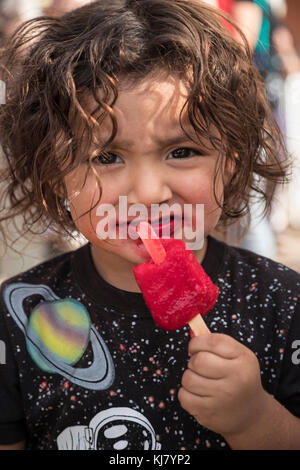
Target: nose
[(149, 185)]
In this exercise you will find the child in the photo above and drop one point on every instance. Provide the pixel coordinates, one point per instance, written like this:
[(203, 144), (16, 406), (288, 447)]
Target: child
[(151, 100)]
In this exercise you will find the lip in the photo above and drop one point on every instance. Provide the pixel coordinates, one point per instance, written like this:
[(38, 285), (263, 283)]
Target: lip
[(165, 229), (134, 222), (162, 229)]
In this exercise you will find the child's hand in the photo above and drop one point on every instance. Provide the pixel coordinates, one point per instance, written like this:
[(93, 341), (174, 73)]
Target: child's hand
[(222, 386)]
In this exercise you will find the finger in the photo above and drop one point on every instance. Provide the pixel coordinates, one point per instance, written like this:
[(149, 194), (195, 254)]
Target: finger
[(208, 365), (193, 404), (216, 343), (198, 385)]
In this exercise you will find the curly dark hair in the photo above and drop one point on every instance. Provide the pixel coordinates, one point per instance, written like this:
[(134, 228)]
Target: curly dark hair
[(50, 63)]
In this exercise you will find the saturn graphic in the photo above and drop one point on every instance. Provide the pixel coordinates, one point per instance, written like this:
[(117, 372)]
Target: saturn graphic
[(58, 333)]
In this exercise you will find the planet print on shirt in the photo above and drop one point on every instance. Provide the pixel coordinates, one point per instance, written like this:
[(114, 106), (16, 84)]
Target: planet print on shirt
[(57, 333), (61, 327)]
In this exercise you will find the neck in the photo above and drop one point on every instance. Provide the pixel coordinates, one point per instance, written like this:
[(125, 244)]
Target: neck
[(117, 271), (114, 269)]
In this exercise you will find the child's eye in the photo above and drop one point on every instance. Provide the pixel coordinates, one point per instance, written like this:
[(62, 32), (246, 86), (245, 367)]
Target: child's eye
[(110, 158), (184, 152), (106, 159)]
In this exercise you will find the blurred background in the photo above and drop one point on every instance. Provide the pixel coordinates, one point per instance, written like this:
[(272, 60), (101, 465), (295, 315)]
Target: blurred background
[(272, 29)]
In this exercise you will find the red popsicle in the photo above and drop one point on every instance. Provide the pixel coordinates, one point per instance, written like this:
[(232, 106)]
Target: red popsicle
[(174, 285)]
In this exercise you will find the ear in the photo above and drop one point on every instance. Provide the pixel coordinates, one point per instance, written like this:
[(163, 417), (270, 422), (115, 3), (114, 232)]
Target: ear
[(230, 163), (230, 166)]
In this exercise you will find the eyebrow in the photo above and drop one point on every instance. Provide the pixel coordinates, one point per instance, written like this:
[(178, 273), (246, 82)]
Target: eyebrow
[(176, 139)]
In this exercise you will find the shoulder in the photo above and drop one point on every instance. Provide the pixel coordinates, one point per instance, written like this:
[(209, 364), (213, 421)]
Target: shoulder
[(247, 265), (42, 270), (50, 272), (256, 284)]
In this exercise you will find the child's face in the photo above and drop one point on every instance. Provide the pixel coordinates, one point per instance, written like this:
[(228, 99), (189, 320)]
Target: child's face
[(145, 165)]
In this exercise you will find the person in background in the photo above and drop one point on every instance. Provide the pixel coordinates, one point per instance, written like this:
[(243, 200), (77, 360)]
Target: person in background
[(278, 62), (260, 237), (9, 19), (58, 7), (252, 18), (248, 16), (245, 13), (286, 211)]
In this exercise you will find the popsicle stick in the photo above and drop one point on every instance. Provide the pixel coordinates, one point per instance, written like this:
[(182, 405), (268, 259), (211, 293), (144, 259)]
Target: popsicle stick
[(152, 242), (158, 254), (198, 326)]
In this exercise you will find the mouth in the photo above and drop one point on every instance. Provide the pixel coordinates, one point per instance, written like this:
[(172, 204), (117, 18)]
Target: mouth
[(163, 227)]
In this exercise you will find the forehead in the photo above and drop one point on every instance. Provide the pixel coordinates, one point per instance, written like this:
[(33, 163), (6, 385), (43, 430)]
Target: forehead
[(164, 95), (151, 104)]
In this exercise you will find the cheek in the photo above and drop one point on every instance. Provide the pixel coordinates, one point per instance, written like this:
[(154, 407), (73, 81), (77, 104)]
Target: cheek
[(200, 190), (84, 206), (82, 199), (85, 223)]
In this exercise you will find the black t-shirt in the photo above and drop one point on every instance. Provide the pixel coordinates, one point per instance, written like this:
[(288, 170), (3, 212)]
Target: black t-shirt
[(86, 367)]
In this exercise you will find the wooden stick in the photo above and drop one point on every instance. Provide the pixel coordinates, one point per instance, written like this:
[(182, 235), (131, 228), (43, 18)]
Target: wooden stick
[(198, 326)]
